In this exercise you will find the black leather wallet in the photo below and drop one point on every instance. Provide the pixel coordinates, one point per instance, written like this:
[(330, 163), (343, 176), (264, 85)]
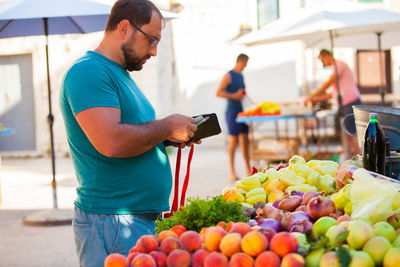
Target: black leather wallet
[(206, 128)]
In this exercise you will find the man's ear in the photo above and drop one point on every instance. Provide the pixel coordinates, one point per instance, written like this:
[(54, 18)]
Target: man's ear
[(123, 29)]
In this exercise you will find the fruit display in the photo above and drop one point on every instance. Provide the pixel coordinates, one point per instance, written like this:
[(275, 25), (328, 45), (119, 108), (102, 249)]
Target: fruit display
[(270, 184), (229, 244), (262, 109), (328, 242), (293, 215)]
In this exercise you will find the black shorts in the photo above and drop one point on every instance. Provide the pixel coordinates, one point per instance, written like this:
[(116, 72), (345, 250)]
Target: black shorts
[(349, 123), (235, 128), (348, 109)]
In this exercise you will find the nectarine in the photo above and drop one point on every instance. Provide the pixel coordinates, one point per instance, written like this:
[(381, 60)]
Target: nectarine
[(190, 240), (253, 243), (241, 260), (267, 259), (178, 229), (216, 259), (283, 243), (212, 237), (179, 258), (143, 260), (115, 260), (146, 243), (230, 244), (199, 256), (169, 244)]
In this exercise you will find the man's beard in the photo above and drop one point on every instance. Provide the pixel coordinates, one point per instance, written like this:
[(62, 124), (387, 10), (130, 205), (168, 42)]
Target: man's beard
[(129, 57)]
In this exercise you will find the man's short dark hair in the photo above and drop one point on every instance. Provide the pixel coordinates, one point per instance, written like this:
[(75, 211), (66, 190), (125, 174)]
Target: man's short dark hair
[(325, 52), (242, 57), (136, 11)]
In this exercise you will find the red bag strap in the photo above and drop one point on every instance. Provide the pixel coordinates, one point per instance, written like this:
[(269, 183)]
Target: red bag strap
[(185, 183)]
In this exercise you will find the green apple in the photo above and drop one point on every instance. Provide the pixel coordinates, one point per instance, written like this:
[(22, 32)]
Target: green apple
[(344, 224), (367, 221), (322, 225), (359, 233), (392, 258), (396, 242), (377, 247), (313, 258), (360, 259), (329, 259), (304, 246), (333, 233), (343, 218), (386, 230)]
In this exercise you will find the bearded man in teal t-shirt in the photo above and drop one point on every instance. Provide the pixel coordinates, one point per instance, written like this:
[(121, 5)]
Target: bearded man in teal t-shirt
[(116, 143)]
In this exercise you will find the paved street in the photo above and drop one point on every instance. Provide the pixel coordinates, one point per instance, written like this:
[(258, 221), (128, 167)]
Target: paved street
[(26, 190)]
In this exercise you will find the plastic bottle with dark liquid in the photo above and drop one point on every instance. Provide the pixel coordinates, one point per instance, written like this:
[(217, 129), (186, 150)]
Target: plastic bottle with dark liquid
[(374, 152)]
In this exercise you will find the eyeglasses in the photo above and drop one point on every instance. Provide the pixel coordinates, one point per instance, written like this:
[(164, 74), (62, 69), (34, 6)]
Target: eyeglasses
[(153, 40)]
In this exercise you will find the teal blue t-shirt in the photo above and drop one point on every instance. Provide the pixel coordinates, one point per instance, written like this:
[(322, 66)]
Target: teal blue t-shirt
[(140, 184)]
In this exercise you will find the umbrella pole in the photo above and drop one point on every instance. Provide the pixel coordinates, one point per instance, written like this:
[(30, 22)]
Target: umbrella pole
[(381, 89), (50, 117), (336, 75)]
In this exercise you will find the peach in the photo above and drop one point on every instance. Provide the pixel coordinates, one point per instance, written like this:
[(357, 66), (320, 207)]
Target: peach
[(267, 259), (178, 258), (202, 232), (164, 234), (199, 256), (253, 243), (229, 226), (143, 260), (241, 260), (190, 240), (133, 249), (131, 256), (216, 259), (283, 243), (230, 244), (115, 260), (240, 227), (160, 258), (213, 236), (146, 243), (178, 229), (293, 260), (169, 244)]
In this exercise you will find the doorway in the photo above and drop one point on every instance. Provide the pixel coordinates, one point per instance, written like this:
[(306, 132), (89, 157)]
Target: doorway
[(369, 71), (16, 102)]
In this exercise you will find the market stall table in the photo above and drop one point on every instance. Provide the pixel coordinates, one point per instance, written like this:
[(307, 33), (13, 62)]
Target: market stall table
[(257, 153)]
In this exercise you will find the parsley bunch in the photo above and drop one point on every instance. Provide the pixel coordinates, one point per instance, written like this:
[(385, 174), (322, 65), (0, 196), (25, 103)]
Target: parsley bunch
[(199, 213)]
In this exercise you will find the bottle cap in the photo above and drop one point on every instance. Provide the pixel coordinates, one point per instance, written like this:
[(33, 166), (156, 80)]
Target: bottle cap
[(373, 115)]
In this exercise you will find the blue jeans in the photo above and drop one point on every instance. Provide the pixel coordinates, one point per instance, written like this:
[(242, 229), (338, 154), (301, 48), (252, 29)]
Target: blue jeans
[(98, 235)]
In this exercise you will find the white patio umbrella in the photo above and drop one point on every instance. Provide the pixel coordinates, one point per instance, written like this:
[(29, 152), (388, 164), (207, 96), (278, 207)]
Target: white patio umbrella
[(45, 17), (333, 23)]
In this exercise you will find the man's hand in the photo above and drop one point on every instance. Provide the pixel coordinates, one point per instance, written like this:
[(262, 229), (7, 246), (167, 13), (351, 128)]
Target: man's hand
[(239, 95), (180, 128), (307, 99)]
